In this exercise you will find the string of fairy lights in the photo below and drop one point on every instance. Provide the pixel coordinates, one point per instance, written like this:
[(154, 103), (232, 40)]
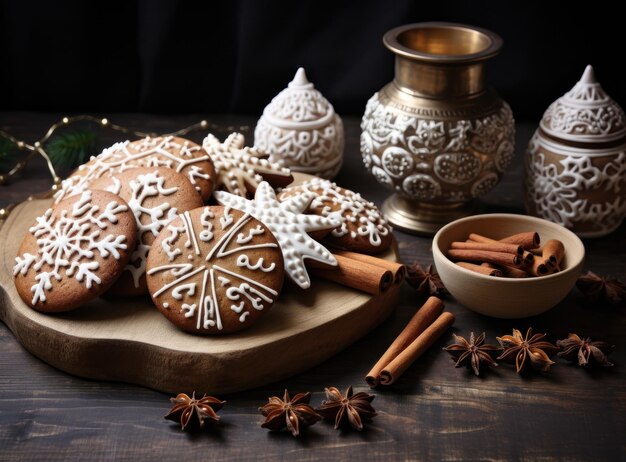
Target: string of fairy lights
[(28, 151)]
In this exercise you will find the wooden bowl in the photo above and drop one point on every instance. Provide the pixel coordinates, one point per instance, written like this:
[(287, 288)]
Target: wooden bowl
[(506, 297)]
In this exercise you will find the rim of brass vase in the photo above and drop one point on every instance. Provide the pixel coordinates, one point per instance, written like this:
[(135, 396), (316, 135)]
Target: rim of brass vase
[(441, 59), (443, 42)]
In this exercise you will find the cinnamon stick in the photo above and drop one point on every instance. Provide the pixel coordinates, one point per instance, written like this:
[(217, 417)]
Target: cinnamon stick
[(499, 258), (401, 363), (528, 240), (487, 271), (511, 272), (490, 246), (398, 270), (418, 324), (553, 252), (539, 267), (527, 256), (355, 274)]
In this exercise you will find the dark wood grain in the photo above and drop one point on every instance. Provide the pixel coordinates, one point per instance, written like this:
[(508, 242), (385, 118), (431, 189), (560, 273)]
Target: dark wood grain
[(434, 412)]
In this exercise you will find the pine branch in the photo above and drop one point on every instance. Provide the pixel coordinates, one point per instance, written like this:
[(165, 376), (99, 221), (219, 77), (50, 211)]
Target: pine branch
[(70, 149), (8, 149)]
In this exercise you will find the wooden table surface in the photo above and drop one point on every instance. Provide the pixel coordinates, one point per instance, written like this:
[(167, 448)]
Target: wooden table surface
[(434, 412)]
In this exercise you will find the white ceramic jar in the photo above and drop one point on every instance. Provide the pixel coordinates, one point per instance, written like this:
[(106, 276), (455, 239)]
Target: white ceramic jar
[(300, 130)]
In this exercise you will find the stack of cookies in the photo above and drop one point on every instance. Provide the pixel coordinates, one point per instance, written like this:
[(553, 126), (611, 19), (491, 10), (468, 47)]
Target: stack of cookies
[(200, 229)]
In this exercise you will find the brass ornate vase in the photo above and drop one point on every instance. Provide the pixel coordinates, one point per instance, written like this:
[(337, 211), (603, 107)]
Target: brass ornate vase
[(437, 135)]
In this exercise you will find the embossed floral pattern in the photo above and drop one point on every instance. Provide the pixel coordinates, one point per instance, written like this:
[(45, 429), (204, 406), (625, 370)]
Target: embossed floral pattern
[(431, 159), (556, 190)]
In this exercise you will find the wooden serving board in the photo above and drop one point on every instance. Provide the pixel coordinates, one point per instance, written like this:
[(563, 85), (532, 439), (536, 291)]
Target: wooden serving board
[(128, 340)]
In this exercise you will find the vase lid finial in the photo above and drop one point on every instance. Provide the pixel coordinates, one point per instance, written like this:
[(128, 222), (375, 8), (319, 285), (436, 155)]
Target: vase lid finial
[(300, 79), (589, 76)]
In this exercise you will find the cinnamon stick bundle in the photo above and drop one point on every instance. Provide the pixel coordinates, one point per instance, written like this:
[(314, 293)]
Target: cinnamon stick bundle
[(398, 270), (355, 274), (423, 318), (527, 256), (426, 326), (535, 261), (425, 340)]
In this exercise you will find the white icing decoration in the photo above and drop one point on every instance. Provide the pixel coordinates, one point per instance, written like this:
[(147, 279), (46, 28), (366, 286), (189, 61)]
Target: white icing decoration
[(141, 188), (244, 261), (287, 221), (358, 216), (240, 288), (69, 242), (151, 152), (226, 219), (241, 239), (239, 168)]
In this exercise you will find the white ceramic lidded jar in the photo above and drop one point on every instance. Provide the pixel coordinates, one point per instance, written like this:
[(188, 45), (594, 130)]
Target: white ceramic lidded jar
[(576, 161), (300, 130)]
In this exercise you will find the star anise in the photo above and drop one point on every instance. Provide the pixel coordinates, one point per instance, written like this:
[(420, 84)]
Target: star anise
[(425, 281), (472, 352), (289, 413), (530, 349), (584, 351), (191, 411), (599, 289), (347, 410)]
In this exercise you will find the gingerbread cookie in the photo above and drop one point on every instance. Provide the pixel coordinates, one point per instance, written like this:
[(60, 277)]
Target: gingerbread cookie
[(75, 251), (155, 196), (240, 169), (214, 270), (172, 152), (363, 227), (290, 226)]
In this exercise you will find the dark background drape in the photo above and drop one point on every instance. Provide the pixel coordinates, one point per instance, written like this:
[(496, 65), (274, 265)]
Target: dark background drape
[(180, 56)]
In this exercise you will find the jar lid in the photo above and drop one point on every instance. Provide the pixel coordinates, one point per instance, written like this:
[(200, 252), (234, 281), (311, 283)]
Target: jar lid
[(585, 114), (299, 106)]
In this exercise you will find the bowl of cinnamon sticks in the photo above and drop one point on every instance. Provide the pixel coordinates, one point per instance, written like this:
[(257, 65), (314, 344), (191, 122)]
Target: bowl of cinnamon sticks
[(506, 265)]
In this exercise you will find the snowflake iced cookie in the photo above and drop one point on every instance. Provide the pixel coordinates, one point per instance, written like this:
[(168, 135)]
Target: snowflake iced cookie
[(363, 227), (290, 225), (214, 270), (240, 169), (172, 152), (155, 196), (75, 251)]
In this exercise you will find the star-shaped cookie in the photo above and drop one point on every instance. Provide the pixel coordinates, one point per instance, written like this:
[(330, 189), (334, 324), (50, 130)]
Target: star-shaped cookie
[(289, 224), (240, 168)]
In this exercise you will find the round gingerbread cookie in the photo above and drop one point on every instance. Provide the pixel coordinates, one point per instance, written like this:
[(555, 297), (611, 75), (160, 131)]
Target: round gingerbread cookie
[(178, 154), (155, 196), (214, 270), (75, 251), (363, 227)]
